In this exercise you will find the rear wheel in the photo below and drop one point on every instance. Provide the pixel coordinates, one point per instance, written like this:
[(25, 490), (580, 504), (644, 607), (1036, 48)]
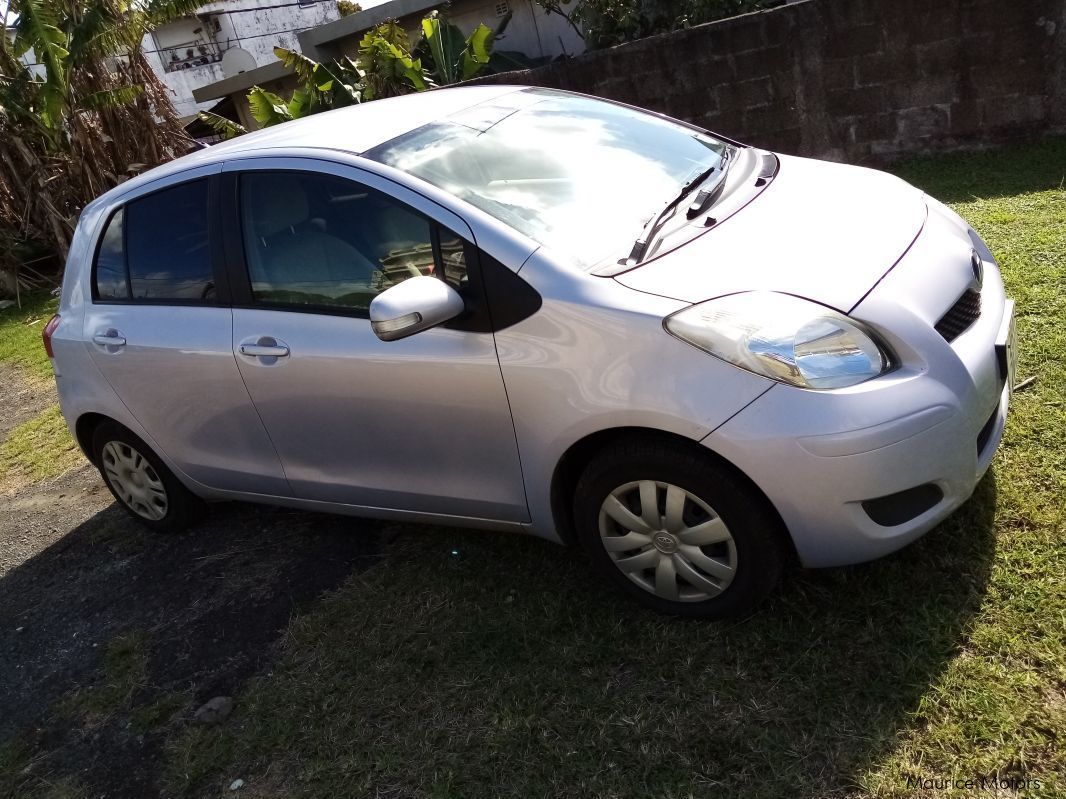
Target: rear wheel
[(141, 482), (677, 530)]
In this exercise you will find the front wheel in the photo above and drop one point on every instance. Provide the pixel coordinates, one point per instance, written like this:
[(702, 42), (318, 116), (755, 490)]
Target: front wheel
[(676, 530), (141, 482)]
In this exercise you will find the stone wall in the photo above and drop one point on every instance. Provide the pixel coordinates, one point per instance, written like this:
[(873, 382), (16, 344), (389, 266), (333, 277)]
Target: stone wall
[(857, 80)]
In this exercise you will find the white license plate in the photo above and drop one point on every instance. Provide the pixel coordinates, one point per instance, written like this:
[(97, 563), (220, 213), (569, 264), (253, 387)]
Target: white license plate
[(1007, 347)]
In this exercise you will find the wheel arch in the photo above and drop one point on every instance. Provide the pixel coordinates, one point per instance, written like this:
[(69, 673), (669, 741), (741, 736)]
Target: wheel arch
[(84, 429), (577, 457)]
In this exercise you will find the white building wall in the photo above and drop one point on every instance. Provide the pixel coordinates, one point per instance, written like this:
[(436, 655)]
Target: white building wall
[(245, 24), (531, 31)]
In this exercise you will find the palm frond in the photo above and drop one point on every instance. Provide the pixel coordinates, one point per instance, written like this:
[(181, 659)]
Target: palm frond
[(37, 28), (99, 32), (219, 124)]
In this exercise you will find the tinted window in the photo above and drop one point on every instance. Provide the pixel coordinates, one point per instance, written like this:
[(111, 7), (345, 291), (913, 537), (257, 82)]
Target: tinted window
[(167, 248), (111, 278), (322, 240)]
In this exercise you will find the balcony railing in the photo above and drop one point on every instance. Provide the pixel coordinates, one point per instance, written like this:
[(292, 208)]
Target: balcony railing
[(190, 55)]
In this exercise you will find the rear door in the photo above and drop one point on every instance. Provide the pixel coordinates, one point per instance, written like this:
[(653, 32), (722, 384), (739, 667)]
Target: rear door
[(422, 424), (160, 330)]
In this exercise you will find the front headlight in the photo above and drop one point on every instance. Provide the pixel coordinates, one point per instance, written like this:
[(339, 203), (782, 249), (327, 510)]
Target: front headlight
[(785, 338)]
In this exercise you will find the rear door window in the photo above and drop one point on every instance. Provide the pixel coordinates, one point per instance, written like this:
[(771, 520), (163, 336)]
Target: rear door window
[(157, 249)]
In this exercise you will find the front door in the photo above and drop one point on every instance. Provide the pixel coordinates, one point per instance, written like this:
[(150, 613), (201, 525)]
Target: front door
[(421, 424)]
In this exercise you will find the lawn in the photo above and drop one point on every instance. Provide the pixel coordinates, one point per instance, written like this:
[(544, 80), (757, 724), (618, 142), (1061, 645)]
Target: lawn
[(20, 333), (41, 447), (472, 665)]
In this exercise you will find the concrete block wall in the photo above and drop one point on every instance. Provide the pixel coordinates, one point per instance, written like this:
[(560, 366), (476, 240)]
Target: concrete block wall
[(864, 81)]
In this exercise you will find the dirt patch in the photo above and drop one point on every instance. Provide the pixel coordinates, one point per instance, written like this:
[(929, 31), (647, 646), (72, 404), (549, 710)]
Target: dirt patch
[(77, 575), (24, 396), (37, 515)]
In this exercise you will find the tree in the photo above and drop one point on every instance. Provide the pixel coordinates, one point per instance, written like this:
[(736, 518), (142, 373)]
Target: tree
[(94, 115), (347, 8)]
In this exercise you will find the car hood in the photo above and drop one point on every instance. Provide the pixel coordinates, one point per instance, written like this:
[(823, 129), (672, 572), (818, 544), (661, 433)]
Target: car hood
[(824, 231)]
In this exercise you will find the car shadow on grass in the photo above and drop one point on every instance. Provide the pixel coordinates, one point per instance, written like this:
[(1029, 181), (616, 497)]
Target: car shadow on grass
[(113, 634), (470, 664)]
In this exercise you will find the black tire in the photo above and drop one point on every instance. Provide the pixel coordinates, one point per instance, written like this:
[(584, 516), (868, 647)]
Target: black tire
[(757, 553), (182, 507)]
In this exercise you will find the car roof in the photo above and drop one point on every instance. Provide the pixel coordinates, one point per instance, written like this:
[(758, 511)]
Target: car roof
[(359, 128), (354, 129)]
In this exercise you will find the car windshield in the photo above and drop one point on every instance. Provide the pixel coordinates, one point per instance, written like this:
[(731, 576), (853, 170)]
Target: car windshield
[(578, 175)]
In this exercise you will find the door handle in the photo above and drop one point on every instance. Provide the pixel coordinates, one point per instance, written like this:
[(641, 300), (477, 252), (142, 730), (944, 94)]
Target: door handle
[(109, 338), (264, 351)]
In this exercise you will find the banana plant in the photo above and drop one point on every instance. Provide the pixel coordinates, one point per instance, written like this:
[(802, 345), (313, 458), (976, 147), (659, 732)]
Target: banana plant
[(386, 63), (226, 128), (324, 86), (450, 56), (94, 113), (386, 66)]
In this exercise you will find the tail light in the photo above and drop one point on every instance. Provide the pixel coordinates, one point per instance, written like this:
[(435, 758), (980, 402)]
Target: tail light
[(46, 334)]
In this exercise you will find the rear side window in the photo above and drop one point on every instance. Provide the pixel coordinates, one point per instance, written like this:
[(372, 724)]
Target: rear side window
[(156, 248), (112, 280)]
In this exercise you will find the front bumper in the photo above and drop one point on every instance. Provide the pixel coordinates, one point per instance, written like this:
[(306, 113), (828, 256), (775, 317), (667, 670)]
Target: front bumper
[(928, 429)]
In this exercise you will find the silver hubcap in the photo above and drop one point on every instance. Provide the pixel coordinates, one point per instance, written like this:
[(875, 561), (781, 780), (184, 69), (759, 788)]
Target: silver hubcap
[(134, 480), (668, 541)]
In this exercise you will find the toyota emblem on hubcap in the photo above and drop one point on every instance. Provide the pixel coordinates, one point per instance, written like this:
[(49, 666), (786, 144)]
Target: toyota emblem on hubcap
[(664, 542)]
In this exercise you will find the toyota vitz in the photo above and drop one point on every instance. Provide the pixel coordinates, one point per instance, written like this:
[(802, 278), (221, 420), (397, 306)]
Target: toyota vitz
[(538, 311)]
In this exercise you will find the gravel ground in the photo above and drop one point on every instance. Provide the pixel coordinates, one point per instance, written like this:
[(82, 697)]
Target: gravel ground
[(81, 707)]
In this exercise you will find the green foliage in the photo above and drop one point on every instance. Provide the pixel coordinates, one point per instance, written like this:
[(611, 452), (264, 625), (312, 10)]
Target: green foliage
[(450, 57), (324, 87), (227, 128), (347, 8), (76, 130), (386, 66), (38, 449), (20, 333), (37, 29), (604, 23), (267, 108)]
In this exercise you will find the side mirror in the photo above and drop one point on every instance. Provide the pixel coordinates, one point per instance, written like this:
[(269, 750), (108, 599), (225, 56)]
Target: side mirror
[(417, 304)]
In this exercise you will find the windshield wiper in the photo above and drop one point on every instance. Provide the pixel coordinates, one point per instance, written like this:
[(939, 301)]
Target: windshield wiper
[(703, 199)]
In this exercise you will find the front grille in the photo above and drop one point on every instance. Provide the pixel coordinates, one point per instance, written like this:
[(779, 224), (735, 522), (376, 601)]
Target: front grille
[(960, 315)]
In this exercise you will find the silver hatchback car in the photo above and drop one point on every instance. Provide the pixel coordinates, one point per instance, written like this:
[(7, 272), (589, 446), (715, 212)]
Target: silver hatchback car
[(537, 311)]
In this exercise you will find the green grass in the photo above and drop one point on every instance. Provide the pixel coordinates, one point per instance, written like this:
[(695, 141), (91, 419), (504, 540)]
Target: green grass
[(18, 779), (125, 671), (20, 333), (38, 449), (510, 671), (125, 665), (42, 447)]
